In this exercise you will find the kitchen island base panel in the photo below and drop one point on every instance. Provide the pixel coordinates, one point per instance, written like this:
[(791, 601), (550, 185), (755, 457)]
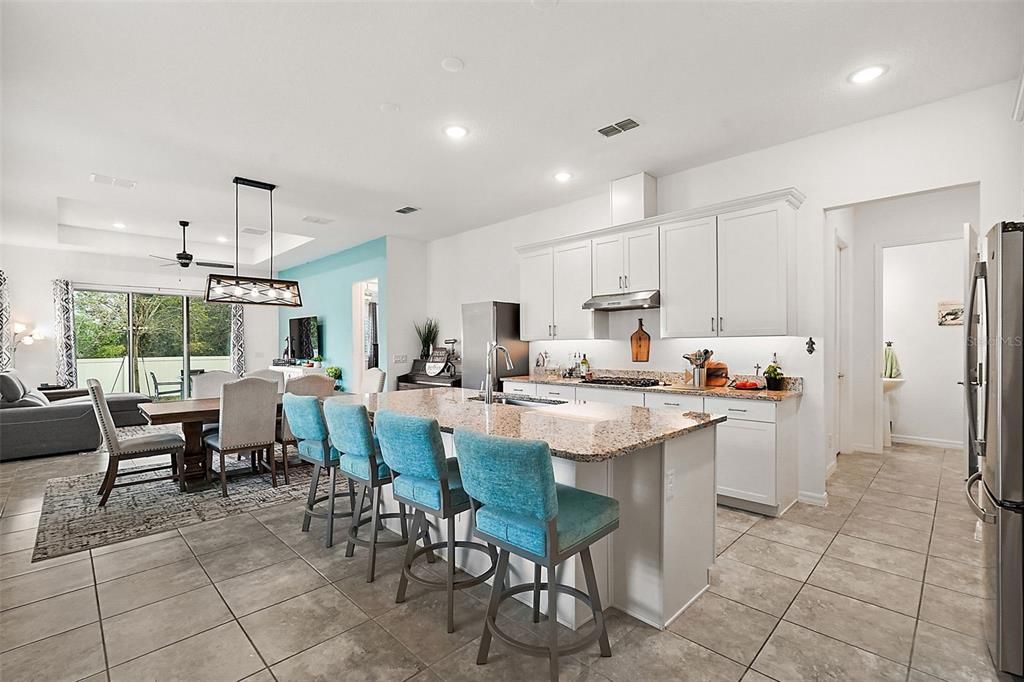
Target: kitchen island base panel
[(658, 560)]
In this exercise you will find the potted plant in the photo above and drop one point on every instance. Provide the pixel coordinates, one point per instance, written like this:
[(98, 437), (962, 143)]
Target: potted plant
[(427, 333), (773, 377), (334, 373), (317, 360)]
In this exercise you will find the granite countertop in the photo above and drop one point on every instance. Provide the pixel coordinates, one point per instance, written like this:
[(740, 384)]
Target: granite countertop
[(592, 432), (795, 391)]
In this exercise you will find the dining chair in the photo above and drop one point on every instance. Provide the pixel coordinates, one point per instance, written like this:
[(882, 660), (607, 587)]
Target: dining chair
[(248, 413), (372, 381), (317, 385), (207, 384), (268, 375), (133, 448), (162, 389)]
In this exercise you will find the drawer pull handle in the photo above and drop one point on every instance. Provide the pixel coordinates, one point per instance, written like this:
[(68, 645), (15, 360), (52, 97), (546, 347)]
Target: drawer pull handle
[(673, 404), (554, 393), (736, 409)]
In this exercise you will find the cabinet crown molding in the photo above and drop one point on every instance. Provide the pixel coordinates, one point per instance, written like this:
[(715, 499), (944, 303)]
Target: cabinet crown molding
[(790, 195)]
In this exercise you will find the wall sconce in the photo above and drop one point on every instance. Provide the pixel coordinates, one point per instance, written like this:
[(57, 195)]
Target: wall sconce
[(21, 336)]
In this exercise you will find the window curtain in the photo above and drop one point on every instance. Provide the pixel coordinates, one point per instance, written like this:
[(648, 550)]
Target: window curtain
[(64, 332), (6, 332), (237, 339)]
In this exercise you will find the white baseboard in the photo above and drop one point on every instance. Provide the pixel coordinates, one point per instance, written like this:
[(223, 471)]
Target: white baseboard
[(817, 499), (934, 442), (831, 468), (862, 447)]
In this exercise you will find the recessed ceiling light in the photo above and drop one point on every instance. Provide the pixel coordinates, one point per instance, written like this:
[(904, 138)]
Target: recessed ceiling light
[(222, 240), (867, 74), (456, 132), (390, 108), (452, 64), (120, 226), (563, 176)]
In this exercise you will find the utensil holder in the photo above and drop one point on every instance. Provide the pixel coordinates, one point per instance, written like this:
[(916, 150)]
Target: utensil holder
[(700, 377)]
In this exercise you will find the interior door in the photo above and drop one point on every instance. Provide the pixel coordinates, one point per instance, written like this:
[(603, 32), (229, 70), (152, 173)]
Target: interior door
[(536, 302), (608, 265), (572, 287), (752, 264), (642, 261), (689, 289)]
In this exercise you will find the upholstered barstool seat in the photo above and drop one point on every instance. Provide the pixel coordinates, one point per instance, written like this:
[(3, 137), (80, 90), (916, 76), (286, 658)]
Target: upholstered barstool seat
[(350, 433), (429, 483), (306, 420), (518, 506)]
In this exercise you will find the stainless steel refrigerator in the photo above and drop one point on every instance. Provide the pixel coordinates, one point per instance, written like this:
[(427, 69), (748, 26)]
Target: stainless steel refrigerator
[(486, 322), (995, 407)]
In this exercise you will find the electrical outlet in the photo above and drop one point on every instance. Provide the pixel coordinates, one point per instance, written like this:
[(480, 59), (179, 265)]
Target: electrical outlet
[(400, 358), (670, 484)]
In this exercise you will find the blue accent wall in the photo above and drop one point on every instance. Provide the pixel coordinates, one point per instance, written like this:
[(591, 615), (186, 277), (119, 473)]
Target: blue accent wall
[(326, 286)]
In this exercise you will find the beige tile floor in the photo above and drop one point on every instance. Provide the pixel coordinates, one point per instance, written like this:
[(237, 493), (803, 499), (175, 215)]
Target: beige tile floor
[(883, 584)]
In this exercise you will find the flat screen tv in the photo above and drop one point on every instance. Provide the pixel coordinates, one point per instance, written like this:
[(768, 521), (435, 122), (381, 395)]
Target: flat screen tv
[(303, 338)]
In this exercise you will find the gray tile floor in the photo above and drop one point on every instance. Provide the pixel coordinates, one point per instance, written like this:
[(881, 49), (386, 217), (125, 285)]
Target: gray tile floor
[(881, 584)]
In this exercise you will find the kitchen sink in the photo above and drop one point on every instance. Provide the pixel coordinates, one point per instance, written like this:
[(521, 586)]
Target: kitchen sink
[(521, 401)]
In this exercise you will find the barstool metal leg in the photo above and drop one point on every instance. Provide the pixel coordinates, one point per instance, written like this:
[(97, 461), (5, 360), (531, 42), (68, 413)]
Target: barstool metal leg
[(330, 508), (357, 515), (371, 564), (402, 520), (311, 498), (536, 593), (451, 573), (492, 606), (553, 619), (595, 599), (410, 550)]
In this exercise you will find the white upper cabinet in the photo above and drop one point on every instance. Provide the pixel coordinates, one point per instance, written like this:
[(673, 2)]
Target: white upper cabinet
[(536, 303), (626, 262), (689, 278), (609, 258), (753, 266), (641, 258), (572, 289)]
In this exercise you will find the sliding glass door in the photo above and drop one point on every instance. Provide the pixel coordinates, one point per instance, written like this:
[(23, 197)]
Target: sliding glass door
[(136, 341)]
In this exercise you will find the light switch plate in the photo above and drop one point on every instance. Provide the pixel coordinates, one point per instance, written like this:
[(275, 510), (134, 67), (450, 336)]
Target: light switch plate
[(400, 358)]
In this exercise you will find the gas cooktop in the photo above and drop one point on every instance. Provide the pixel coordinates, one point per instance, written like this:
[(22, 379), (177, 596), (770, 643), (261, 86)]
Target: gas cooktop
[(623, 381)]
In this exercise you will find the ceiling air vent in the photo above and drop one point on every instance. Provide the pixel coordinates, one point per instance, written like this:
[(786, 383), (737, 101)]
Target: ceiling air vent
[(111, 181), (620, 127), (253, 230), (317, 220), (406, 210)]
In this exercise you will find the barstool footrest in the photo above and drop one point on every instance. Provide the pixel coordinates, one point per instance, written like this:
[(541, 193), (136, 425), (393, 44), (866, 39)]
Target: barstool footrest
[(542, 651), (338, 514), (353, 532), (458, 584)]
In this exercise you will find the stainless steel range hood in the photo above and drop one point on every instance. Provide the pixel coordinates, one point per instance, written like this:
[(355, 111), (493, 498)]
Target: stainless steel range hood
[(632, 300)]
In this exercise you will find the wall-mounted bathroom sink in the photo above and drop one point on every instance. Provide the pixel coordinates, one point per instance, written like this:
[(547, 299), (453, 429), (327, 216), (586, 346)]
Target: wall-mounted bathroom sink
[(889, 385)]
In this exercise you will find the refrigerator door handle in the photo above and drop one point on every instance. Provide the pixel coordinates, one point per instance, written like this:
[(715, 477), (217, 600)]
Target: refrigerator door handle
[(975, 446), (975, 507)]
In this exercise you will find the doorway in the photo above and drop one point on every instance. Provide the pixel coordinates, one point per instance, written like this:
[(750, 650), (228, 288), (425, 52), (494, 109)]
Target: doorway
[(841, 335), (365, 330)]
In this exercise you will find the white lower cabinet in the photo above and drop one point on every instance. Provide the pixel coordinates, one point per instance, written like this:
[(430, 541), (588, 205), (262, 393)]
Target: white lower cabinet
[(686, 403), (556, 392), (521, 387), (612, 396)]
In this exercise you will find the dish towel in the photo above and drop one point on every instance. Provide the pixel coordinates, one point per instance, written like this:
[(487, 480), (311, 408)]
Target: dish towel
[(890, 365)]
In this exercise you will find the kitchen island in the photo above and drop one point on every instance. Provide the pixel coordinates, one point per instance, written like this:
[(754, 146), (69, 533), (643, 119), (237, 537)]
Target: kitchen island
[(659, 464)]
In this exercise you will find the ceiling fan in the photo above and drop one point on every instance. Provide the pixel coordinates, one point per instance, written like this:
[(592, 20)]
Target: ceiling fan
[(185, 259)]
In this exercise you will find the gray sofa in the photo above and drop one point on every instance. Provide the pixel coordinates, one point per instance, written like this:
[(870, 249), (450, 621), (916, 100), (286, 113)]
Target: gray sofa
[(32, 426)]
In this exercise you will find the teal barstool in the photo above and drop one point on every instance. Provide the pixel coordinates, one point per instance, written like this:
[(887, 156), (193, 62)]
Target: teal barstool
[(306, 421), (428, 482), (518, 506), (350, 434)]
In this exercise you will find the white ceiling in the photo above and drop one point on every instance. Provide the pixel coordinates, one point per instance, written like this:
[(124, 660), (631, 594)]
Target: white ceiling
[(181, 97)]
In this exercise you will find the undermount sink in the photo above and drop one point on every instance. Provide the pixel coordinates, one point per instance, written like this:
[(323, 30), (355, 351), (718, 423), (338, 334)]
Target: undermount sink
[(891, 384), (521, 401)]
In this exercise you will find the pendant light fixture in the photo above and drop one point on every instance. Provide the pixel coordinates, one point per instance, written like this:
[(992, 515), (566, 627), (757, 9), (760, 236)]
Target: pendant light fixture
[(253, 290)]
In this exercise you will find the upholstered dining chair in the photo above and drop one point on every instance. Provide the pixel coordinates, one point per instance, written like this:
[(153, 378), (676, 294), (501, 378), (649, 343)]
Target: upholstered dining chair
[(373, 380), (317, 385), (269, 375), (207, 384), (248, 416), (133, 448)]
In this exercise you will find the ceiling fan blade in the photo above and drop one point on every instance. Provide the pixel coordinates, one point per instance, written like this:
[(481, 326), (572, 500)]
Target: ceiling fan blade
[(173, 260), (209, 264), (168, 265)]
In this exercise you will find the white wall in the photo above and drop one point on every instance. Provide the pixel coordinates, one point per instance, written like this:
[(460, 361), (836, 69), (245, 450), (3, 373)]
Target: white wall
[(406, 303), (965, 139), (928, 216), (929, 406), (31, 271)]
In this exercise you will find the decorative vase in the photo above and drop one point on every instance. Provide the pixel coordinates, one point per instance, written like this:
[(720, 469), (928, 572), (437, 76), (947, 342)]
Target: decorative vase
[(640, 343), (773, 383)]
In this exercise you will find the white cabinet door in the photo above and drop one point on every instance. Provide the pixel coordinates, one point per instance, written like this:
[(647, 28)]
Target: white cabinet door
[(536, 279), (608, 265), (745, 460), (522, 388), (685, 403), (689, 304), (572, 287), (556, 392), (589, 394), (752, 272), (642, 262)]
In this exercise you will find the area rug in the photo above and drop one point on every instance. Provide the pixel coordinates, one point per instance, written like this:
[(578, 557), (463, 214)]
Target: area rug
[(72, 520)]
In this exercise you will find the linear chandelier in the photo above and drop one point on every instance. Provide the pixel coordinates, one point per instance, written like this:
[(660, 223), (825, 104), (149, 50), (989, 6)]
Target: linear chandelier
[(253, 290)]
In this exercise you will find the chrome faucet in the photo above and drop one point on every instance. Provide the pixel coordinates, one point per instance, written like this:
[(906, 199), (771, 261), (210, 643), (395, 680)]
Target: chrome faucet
[(492, 349)]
